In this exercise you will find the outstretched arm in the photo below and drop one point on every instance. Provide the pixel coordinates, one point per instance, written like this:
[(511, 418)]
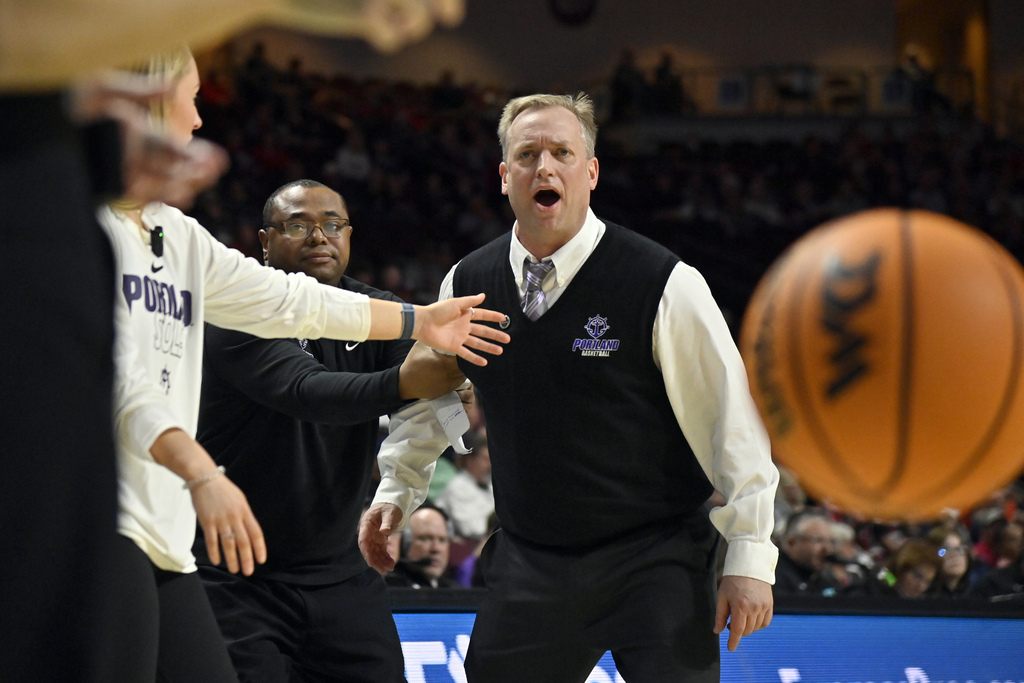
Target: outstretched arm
[(452, 325), (50, 42)]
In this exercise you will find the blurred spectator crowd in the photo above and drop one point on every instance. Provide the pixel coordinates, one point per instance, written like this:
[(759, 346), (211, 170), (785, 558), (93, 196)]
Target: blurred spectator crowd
[(970, 555), (417, 166)]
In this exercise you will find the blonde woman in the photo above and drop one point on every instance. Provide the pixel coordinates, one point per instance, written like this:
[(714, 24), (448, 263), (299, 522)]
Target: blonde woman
[(171, 277)]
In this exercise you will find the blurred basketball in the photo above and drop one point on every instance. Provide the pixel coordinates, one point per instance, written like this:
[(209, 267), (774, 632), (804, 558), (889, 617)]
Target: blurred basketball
[(884, 352)]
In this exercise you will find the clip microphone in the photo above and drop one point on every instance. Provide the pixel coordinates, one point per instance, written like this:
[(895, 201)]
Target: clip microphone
[(156, 241)]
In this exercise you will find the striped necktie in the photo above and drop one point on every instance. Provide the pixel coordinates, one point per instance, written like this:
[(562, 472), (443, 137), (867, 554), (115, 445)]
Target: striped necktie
[(535, 303)]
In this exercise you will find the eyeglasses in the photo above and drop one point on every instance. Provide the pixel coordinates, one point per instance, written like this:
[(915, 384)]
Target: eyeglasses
[(300, 230), (959, 550)]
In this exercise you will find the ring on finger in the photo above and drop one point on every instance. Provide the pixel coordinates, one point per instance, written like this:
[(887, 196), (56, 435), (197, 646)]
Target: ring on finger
[(228, 535)]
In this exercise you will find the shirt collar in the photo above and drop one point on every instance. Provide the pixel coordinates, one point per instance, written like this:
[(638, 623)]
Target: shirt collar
[(568, 259)]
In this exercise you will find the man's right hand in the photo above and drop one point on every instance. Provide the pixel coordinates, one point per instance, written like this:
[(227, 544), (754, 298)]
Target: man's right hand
[(425, 373), (375, 526)]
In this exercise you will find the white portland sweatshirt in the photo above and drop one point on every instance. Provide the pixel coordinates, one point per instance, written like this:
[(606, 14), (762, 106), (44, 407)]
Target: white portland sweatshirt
[(161, 305)]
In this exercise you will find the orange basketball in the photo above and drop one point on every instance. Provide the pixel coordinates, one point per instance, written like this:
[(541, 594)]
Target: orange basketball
[(885, 352)]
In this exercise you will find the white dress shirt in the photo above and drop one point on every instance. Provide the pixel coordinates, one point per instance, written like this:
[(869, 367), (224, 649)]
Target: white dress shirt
[(706, 383)]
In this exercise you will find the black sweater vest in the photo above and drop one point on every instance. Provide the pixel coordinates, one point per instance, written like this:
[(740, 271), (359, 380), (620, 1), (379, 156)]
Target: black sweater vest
[(584, 444)]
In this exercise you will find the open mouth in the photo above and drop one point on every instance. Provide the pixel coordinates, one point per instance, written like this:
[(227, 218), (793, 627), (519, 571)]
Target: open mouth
[(546, 197)]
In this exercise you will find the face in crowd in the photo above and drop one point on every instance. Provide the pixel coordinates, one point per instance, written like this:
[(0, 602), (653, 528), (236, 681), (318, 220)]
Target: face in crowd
[(914, 581), (811, 544), (429, 541), (954, 557)]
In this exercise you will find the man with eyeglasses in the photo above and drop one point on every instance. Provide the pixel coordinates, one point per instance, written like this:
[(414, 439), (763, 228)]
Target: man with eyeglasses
[(295, 423), (804, 556)]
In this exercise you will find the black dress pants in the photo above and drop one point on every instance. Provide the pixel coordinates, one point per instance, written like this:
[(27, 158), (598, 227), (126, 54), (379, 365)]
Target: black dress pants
[(279, 632), (552, 614)]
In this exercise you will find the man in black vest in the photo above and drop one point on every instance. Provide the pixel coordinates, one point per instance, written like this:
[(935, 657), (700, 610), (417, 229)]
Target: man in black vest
[(619, 406)]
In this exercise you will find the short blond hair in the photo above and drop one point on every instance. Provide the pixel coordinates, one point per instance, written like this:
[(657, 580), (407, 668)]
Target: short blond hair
[(579, 104), (163, 67)]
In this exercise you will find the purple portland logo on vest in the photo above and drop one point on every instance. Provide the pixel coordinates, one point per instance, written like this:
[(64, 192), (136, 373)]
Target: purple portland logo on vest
[(595, 346)]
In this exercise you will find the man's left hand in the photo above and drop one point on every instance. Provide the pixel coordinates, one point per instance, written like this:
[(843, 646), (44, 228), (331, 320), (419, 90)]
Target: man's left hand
[(744, 603), (376, 524)]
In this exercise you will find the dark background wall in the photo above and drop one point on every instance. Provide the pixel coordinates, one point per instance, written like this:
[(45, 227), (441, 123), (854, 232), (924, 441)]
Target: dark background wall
[(522, 44)]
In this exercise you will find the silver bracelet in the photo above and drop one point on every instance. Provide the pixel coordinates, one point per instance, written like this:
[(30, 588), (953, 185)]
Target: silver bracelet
[(408, 321), (192, 484)]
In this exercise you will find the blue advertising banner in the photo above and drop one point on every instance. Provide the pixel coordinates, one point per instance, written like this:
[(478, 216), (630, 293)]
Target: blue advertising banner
[(794, 649)]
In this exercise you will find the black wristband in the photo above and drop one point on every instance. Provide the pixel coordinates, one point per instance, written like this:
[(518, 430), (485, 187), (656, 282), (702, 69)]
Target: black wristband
[(408, 321)]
